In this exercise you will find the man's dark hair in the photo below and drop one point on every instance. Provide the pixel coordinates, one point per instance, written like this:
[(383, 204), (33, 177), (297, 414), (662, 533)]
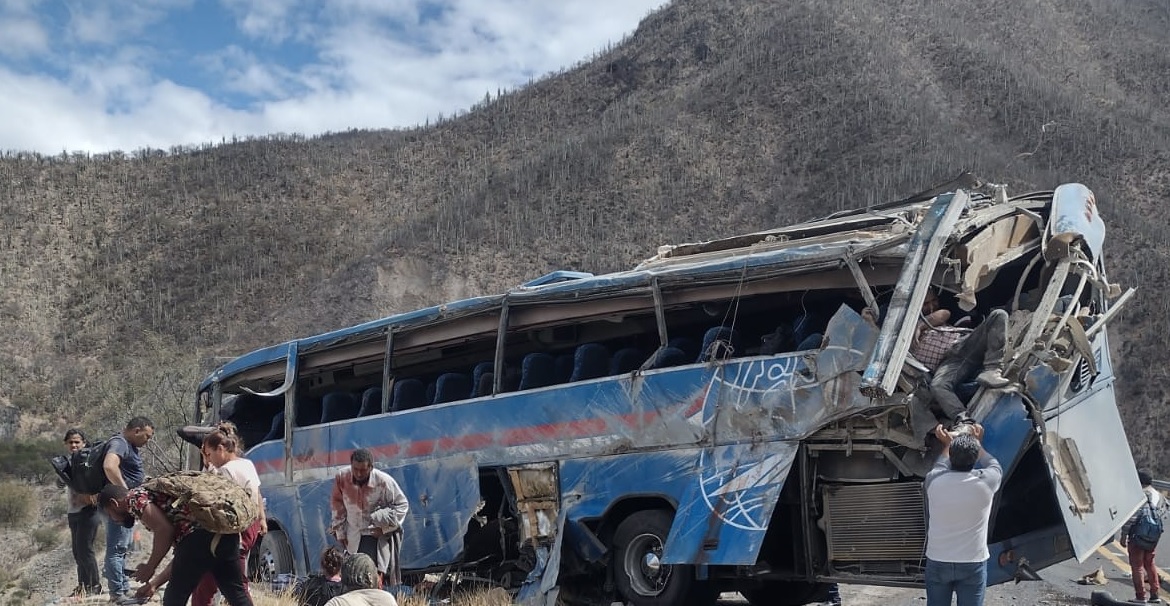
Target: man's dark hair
[(73, 431), (361, 455), (1145, 477), (140, 423), (964, 452), (110, 494)]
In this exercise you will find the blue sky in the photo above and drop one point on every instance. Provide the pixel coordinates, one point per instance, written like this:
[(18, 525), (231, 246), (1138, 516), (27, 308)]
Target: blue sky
[(100, 75)]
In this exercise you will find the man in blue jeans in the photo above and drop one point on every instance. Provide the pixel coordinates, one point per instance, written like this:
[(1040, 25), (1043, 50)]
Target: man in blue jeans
[(123, 467), (959, 491)]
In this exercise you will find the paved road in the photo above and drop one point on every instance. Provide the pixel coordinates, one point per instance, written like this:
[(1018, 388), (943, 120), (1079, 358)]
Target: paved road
[(1058, 586)]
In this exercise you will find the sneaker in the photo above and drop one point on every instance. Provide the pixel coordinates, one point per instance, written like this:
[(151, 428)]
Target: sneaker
[(993, 378), (77, 592), (1155, 600)]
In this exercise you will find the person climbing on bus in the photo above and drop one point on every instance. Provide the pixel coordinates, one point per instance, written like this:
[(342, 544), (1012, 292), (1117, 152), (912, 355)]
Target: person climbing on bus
[(368, 511)]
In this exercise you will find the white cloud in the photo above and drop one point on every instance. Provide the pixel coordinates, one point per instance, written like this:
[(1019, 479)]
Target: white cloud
[(370, 64), (22, 36)]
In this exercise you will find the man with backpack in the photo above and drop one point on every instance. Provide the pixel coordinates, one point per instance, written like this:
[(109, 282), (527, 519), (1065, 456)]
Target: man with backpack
[(1140, 536), (201, 515), (123, 467)]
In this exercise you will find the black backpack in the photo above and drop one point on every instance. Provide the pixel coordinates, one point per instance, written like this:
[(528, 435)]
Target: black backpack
[(82, 470)]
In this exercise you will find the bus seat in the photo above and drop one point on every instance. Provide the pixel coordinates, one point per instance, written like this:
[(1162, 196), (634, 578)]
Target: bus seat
[(477, 373), (484, 387), (537, 370), (510, 380), (722, 334), (806, 325), (590, 361), (339, 405), (626, 359), (371, 402), (563, 368), (308, 411), (452, 387), (685, 344), (669, 356), (812, 341), (408, 394), (277, 430)]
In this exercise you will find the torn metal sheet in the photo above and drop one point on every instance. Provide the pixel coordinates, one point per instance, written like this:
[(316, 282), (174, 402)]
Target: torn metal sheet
[(725, 513), (991, 248), (538, 499), (1074, 218), (1097, 484)]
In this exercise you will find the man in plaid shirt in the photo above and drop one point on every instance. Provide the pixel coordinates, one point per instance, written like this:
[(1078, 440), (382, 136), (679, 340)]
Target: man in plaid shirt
[(954, 354)]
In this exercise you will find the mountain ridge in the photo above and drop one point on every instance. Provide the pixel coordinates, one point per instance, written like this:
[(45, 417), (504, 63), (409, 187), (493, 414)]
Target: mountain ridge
[(712, 118)]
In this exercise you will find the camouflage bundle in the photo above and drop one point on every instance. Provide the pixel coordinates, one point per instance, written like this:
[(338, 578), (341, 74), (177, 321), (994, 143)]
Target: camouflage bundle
[(217, 504)]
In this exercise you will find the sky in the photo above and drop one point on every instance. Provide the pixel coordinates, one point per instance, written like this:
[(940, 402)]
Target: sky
[(102, 75)]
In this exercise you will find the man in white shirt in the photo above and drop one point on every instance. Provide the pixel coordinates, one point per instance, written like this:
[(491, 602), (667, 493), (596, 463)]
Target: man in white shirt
[(959, 493), (368, 511), (359, 578)]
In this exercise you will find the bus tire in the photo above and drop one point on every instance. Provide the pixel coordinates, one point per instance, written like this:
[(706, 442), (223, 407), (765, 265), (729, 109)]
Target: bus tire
[(641, 579), (275, 555), (785, 593)]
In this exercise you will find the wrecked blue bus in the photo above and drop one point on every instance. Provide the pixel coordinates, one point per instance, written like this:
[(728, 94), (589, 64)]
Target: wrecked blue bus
[(721, 417)]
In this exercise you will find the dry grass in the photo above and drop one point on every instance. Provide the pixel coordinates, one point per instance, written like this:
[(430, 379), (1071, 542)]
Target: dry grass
[(487, 597)]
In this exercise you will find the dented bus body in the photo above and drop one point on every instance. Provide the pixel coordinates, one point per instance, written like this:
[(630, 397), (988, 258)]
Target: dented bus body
[(722, 417)]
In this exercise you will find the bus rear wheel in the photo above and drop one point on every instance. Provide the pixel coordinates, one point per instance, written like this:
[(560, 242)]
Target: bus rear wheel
[(274, 556), (641, 577)]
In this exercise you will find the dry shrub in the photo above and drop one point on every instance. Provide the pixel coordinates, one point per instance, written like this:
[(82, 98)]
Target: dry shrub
[(16, 501)]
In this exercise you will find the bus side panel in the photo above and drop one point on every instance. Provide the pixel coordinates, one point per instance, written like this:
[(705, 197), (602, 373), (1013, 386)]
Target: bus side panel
[(281, 507), (443, 493), (724, 514)]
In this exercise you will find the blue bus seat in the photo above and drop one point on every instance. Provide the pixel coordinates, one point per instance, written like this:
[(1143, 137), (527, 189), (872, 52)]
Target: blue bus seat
[(452, 387), (276, 432), (626, 359), (563, 368), (510, 380), (590, 361), (371, 402), (685, 344), (477, 372), (308, 411), (483, 386), (667, 357), (719, 334), (338, 406), (537, 370), (408, 394)]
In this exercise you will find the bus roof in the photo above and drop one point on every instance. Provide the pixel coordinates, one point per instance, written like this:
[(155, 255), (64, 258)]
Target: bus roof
[(800, 248)]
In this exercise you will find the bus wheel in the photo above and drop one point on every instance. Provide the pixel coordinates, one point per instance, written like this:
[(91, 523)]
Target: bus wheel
[(275, 555), (641, 577), (785, 593)]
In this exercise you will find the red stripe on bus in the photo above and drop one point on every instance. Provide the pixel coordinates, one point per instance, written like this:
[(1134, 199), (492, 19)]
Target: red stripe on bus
[(533, 434)]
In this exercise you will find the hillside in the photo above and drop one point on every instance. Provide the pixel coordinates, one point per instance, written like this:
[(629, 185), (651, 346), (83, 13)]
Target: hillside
[(125, 274)]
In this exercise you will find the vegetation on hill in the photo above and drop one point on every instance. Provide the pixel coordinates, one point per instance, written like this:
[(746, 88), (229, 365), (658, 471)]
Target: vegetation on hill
[(125, 272)]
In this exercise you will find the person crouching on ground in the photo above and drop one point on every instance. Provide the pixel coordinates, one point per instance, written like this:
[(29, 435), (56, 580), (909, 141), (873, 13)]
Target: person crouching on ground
[(197, 550), (359, 581)]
